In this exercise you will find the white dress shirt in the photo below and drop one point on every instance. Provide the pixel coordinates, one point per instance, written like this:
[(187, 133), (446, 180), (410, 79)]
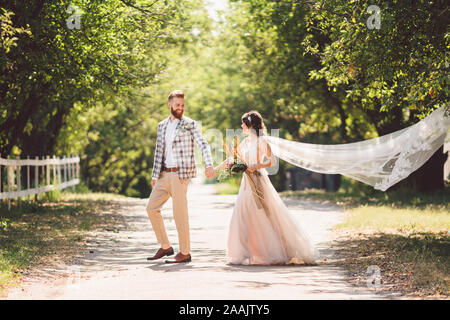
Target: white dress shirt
[(170, 135)]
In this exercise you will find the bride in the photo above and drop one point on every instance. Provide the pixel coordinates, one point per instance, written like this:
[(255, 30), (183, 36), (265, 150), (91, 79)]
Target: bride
[(261, 232)]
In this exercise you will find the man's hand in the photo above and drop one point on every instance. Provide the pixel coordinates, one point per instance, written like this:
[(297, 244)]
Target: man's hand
[(154, 182), (210, 172)]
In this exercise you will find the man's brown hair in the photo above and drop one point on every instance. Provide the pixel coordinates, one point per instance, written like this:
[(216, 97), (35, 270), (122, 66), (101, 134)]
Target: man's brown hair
[(176, 94)]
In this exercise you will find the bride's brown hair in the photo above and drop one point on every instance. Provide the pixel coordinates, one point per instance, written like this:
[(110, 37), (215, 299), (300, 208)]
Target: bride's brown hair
[(254, 120)]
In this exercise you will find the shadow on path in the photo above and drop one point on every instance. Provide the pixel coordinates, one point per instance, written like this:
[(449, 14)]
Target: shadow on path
[(117, 267)]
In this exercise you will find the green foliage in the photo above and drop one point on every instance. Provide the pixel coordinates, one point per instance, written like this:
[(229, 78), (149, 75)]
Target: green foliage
[(116, 134), (51, 68), (317, 71), (118, 147), (9, 33), (401, 65), (93, 91), (313, 70), (4, 224)]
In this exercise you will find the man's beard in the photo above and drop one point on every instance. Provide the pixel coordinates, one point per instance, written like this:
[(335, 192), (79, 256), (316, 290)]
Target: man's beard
[(176, 114)]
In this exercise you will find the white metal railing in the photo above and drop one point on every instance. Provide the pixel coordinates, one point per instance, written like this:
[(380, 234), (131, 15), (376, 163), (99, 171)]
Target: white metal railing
[(63, 172)]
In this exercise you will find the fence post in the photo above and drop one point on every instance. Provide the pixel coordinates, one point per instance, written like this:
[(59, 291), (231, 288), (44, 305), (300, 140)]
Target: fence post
[(59, 172), (72, 170), (69, 168), (55, 178), (36, 178), (48, 171), (11, 185), (28, 177), (65, 169), (78, 168), (18, 182)]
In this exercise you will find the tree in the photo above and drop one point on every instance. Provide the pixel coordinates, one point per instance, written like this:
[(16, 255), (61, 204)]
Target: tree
[(396, 74), (115, 133), (319, 64), (119, 44)]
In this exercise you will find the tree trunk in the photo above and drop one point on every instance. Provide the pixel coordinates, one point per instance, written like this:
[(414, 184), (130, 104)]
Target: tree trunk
[(428, 178)]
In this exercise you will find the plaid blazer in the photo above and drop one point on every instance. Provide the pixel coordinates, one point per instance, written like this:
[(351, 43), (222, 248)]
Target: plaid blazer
[(186, 133)]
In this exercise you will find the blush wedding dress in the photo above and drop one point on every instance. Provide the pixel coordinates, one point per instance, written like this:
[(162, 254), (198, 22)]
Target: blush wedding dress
[(261, 231)]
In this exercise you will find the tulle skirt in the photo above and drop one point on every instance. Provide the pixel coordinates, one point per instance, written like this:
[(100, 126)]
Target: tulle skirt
[(257, 237)]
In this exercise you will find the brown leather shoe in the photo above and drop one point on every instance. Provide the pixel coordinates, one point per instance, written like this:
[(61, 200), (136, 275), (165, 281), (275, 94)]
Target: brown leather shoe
[(161, 253), (180, 258)]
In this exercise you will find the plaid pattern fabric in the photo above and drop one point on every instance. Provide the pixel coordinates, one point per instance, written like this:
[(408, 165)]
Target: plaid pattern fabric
[(186, 133)]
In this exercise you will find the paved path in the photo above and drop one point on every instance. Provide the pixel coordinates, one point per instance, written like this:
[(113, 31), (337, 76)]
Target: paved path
[(118, 269)]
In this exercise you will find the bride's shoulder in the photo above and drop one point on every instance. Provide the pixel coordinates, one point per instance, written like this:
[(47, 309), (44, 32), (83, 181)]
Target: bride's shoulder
[(253, 141), (261, 140)]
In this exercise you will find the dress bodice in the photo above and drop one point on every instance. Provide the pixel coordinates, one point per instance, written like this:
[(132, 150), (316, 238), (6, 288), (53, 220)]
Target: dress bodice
[(249, 150)]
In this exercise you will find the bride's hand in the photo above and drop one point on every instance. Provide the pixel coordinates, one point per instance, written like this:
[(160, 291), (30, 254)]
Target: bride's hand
[(222, 165), (252, 168)]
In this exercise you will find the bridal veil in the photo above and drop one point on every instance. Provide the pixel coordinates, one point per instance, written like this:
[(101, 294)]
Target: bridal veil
[(380, 162)]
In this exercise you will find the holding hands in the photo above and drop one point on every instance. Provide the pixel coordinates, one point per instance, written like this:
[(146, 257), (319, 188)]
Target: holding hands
[(210, 172), (223, 165)]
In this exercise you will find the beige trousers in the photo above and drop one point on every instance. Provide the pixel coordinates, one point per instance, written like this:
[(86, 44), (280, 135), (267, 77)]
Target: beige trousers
[(170, 185)]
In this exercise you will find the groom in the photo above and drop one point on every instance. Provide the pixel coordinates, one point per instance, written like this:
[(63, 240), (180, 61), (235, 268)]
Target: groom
[(173, 167)]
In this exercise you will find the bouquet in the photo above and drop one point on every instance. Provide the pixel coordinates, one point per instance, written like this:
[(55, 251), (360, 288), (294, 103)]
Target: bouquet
[(231, 168), (233, 164), (236, 165)]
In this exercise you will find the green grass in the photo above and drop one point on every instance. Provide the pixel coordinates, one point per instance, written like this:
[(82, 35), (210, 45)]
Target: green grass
[(354, 194), (415, 264), (375, 211), (406, 234), (230, 186), (49, 230), (391, 219)]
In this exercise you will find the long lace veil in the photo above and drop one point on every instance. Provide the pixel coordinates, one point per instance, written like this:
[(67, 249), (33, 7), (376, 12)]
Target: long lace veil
[(380, 162)]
